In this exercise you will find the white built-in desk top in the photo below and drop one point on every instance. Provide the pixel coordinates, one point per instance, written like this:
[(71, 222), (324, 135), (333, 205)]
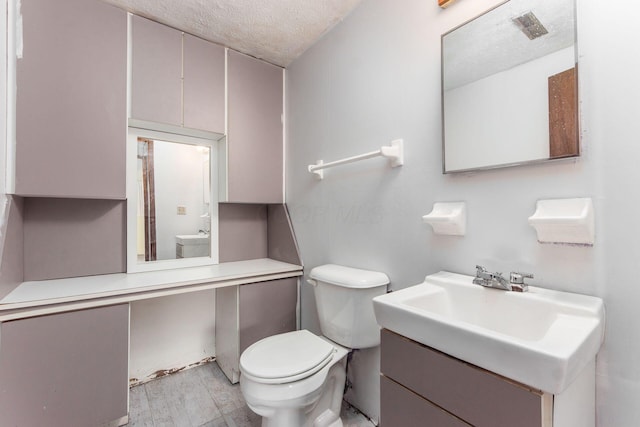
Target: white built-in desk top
[(50, 296)]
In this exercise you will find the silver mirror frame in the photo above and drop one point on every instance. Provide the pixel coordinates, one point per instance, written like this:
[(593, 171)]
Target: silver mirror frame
[(571, 158)]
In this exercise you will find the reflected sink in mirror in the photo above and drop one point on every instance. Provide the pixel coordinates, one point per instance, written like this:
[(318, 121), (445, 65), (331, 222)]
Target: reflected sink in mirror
[(542, 338), (193, 239)]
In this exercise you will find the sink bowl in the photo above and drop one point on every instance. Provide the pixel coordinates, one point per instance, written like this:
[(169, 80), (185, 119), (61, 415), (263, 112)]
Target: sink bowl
[(192, 239), (541, 338)]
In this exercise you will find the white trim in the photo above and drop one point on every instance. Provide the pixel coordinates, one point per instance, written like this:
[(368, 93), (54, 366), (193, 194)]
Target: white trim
[(129, 60), (4, 109), (226, 91), (128, 360), (223, 170), (223, 153), (132, 146), (181, 78), (175, 131), (10, 143), (284, 135)]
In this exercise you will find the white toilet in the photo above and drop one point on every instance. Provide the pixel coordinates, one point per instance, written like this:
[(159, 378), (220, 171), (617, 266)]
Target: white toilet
[(297, 378)]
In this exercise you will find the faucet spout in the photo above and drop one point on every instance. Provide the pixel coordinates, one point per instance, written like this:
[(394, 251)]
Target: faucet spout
[(491, 280)]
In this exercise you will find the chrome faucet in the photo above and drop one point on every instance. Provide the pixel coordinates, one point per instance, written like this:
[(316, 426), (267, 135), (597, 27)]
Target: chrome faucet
[(495, 280)]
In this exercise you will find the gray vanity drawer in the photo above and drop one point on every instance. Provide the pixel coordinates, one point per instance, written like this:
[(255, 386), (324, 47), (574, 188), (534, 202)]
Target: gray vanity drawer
[(475, 395), (402, 407)]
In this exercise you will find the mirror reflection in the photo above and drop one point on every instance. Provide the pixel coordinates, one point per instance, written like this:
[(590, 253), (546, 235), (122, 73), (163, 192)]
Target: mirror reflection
[(173, 211), (509, 87)]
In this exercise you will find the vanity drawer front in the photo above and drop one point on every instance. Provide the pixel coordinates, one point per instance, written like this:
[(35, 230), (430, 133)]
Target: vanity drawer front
[(477, 396), (402, 407)]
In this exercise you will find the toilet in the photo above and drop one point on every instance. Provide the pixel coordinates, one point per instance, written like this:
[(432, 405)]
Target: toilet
[(297, 379)]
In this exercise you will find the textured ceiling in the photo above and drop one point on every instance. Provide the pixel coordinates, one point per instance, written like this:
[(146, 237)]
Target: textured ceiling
[(277, 31), (493, 43)]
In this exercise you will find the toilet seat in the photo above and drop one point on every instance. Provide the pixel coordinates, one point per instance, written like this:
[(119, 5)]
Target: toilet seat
[(285, 358)]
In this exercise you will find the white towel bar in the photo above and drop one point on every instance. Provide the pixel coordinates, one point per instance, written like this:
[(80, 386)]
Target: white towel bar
[(394, 152)]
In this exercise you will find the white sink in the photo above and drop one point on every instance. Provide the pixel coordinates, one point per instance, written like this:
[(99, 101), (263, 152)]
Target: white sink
[(541, 338), (192, 239)]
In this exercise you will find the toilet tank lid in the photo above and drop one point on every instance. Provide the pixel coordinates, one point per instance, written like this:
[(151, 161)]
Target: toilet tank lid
[(348, 276)]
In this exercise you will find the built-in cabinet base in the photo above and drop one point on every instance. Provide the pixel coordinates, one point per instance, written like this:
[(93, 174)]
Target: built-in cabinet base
[(65, 369)]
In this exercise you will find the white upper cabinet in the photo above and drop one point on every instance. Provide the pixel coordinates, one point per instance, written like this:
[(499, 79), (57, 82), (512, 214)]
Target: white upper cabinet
[(176, 78)]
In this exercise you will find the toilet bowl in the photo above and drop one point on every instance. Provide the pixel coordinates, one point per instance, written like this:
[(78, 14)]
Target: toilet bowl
[(297, 378), (294, 379)]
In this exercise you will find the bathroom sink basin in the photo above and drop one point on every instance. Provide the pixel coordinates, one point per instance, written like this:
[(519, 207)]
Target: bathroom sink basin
[(192, 239), (542, 338)]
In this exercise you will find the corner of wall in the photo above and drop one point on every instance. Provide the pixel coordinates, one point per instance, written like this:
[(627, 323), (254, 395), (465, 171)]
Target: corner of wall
[(11, 244), (280, 236)]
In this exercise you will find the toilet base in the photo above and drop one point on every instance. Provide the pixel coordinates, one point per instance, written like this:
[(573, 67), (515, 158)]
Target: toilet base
[(294, 417), (328, 419), (312, 402)]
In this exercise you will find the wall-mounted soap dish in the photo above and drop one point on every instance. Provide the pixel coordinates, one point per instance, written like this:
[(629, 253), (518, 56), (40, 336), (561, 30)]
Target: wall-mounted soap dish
[(564, 221), (448, 218)]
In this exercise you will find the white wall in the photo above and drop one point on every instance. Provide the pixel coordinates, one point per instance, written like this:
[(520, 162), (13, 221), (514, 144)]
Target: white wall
[(171, 332), (376, 77), (503, 118)]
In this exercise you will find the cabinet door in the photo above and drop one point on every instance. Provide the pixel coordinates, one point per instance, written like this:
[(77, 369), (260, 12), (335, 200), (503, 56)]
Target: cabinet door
[(267, 308), (71, 100), (156, 72), (65, 369), (248, 313), (204, 85), (254, 147)]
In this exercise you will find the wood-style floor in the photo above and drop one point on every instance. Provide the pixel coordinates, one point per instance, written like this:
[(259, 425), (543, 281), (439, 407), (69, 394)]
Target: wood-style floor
[(202, 397)]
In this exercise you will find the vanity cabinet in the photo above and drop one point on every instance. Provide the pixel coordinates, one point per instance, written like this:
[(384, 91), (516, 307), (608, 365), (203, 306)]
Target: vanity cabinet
[(65, 369), (71, 78), (247, 313), (254, 148), (423, 387), (176, 78)]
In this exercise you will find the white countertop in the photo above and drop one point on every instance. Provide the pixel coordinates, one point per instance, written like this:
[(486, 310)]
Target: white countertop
[(113, 288)]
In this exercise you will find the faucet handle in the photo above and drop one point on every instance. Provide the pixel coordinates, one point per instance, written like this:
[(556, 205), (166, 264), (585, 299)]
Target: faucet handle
[(517, 279)]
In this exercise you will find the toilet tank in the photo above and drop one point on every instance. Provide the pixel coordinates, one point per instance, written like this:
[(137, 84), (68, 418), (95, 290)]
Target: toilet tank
[(344, 301)]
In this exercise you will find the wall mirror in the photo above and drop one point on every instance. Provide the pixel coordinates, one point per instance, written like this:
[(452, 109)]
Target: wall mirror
[(171, 201), (509, 87)]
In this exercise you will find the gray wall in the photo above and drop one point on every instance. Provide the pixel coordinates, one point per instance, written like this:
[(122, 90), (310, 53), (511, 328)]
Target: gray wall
[(11, 244), (376, 77)]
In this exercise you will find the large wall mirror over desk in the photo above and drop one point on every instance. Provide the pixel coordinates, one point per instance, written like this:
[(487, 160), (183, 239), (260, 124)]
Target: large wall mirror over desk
[(172, 199), (509, 87)]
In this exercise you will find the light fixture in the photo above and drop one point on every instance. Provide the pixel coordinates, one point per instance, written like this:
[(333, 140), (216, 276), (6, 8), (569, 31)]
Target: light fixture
[(445, 3)]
